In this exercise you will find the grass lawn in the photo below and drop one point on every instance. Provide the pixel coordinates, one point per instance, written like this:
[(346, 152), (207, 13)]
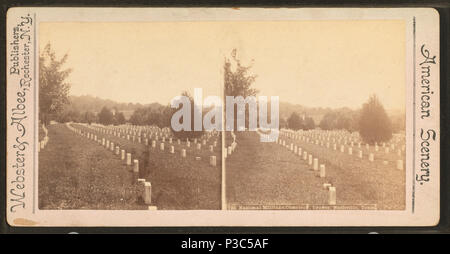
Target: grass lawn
[(270, 174), (177, 183), (77, 174)]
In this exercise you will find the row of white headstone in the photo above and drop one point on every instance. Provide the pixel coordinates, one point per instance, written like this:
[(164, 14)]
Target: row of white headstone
[(371, 156), (116, 131), (212, 158), (147, 187), (313, 163), (144, 131), (341, 137), (338, 141)]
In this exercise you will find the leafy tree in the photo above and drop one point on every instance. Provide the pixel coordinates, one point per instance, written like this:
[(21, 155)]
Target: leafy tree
[(105, 116), (295, 122), (343, 122), (328, 121), (374, 123), (53, 88), (89, 117), (153, 117), (238, 82), (338, 120), (398, 124), (139, 116), (354, 121), (309, 123), (119, 118), (283, 123), (70, 115), (165, 116)]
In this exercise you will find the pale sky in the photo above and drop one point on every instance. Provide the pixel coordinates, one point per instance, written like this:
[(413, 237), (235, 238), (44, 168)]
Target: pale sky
[(312, 63)]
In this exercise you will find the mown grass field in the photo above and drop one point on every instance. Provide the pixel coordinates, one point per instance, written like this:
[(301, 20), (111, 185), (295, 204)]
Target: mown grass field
[(270, 174), (84, 175), (76, 174)]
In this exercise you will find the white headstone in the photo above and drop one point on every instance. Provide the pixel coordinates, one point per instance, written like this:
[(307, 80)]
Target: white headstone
[(147, 193), (129, 159), (400, 164), (316, 164), (212, 160), (332, 195), (322, 170), (136, 166)]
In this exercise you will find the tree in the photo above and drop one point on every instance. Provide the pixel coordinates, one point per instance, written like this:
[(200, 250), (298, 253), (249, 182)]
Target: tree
[(165, 116), (374, 123), (105, 116), (295, 122), (343, 122), (238, 82), (139, 116), (398, 123), (283, 123), (308, 123), (89, 117), (340, 120), (153, 117), (53, 88), (69, 115), (119, 118), (328, 121)]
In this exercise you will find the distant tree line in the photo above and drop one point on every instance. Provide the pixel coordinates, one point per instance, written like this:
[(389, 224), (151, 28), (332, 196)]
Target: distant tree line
[(106, 117), (161, 116), (91, 103), (340, 121), (152, 116), (371, 121), (296, 122)]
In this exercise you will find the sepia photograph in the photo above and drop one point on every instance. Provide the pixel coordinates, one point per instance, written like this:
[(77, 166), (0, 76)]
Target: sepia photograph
[(105, 134), (223, 117), (340, 115)]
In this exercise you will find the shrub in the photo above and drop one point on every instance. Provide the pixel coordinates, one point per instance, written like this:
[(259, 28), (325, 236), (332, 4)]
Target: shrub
[(374, 123)]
